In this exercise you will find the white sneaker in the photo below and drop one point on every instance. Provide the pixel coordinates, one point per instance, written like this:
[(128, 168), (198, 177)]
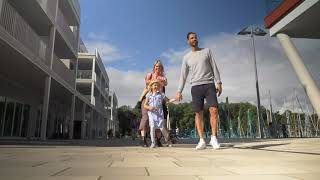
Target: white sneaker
[(214, 143), (153, 145), (201, 145)]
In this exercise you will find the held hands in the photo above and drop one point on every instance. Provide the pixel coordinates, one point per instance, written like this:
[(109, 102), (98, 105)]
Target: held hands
[(178, 97)]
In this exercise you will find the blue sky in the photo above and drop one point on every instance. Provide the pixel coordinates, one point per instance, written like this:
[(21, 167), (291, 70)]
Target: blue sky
[(143, 29), (131, 34)]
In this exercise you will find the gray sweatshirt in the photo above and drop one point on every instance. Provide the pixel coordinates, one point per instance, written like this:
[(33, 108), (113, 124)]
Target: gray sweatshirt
[(202, 67)]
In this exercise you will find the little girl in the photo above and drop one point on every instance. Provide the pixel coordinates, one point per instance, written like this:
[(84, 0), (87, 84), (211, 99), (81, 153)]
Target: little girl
[(153, 104)]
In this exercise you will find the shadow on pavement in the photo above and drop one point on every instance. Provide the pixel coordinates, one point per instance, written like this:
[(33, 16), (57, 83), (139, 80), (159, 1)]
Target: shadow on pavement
[(261, 146)]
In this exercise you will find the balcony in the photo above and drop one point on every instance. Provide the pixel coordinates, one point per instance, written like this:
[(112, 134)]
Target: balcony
[(61, 69), (49, 7), (66, 33), (84, 74), (20, 30)]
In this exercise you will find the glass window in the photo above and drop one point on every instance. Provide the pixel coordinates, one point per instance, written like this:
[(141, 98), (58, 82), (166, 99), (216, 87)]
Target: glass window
[(8, 119), (17, 120), (26, 117)]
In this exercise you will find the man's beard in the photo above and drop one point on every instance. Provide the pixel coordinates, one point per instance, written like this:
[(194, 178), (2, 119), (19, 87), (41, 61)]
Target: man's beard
[(194, 44)]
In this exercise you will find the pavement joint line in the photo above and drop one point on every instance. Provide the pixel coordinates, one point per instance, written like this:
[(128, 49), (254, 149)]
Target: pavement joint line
[(40, 164), (59, 172), (148, 174), (176, 163), (99, 177), (110, 164)]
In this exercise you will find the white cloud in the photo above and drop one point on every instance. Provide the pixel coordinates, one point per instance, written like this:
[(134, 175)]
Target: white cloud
[(96, 36), (127, 84), (108, 51)]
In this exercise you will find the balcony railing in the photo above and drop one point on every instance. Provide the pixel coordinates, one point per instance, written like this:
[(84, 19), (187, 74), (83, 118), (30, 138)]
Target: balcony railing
[(98, 81), (49, 7), (62, 70), (66, 32), (76, 5), (84, 74), (88, 97), (18, 28)]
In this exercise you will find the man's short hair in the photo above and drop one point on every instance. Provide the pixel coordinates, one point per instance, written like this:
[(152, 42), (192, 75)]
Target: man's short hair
[(190, 33)]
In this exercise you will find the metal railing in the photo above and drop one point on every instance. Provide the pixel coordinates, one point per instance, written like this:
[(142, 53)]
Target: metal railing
[(18, 28), (88, 97), (66, 32), (84, 74), (61, 69), (98, 82), (49, 7), (76, 5)]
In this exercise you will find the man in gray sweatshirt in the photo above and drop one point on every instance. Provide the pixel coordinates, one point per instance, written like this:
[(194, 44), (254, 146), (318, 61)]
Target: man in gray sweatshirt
[(204, 73)]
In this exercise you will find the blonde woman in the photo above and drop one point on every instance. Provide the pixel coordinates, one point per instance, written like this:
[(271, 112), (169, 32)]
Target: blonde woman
[(157, 74)]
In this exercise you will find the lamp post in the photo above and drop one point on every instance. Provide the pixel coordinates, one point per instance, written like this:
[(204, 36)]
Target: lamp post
[(258, 32)]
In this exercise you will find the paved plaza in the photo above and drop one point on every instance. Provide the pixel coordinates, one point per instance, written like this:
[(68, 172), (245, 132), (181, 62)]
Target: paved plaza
[(287, 159)]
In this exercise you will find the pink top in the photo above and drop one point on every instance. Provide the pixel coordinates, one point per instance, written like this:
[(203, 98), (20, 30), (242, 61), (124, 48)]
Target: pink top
[(162, 79)]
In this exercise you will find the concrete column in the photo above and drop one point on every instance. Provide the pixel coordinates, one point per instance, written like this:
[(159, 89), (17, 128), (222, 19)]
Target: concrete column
[(45, 107), (93, 79), (73, 101), (91, 124), (50, 50), (83, 121), (301, 70)]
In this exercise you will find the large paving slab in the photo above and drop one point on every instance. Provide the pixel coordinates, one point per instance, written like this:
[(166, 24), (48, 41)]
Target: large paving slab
[(285, 159)]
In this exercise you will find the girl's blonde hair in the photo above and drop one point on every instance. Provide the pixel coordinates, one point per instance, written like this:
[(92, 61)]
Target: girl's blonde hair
[(158, 61)]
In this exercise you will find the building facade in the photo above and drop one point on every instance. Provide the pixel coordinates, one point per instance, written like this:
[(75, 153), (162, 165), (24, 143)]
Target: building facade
[(113, 125), (39, 42), (93, 83)]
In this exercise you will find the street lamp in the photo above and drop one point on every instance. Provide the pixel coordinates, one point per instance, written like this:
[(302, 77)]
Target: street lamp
[(258, 32)]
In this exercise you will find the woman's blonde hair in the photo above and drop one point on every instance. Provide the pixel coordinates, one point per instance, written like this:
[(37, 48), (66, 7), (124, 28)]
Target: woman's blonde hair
[(158, 61)]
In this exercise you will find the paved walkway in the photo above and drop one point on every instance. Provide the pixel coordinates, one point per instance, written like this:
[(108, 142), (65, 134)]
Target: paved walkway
[(256, 160)]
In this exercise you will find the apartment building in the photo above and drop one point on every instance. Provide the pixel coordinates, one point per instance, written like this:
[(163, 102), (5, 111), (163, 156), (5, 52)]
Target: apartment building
[(39, 42), (93, 83), (113, 124)]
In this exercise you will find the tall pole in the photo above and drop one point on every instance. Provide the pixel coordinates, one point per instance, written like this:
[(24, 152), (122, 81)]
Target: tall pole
[(260, 133)]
